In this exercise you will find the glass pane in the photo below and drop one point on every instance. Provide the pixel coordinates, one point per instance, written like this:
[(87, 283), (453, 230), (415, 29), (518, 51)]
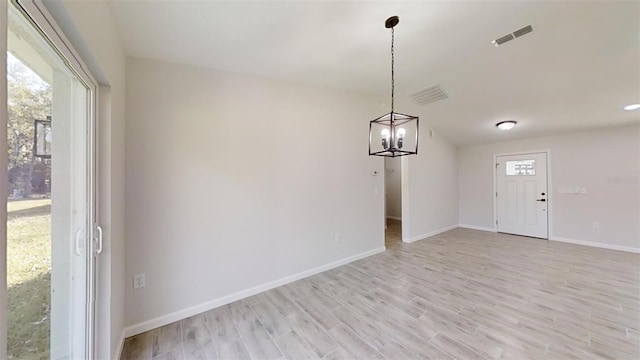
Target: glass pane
[(521, 167), (43, 137), (47, 256)]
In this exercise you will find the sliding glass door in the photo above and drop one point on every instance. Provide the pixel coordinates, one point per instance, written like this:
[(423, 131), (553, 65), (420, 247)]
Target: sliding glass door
[(51, 245)]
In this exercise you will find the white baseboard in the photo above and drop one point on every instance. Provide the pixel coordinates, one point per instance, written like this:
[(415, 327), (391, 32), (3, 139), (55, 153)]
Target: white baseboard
[(194, 310), (570, 241), (120, 345), (473, 227), (394, 218), (595, 244), (427, 235)]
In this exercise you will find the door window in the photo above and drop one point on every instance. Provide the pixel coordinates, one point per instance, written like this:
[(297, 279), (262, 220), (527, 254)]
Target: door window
[(521, 167)]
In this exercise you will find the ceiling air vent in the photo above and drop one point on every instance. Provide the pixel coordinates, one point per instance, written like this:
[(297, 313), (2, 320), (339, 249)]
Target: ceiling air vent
[(428, 95), (502, 40), (516, 34), (525, 30)]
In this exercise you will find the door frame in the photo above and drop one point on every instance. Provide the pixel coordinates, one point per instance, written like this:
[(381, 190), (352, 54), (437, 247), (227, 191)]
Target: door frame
[(4, 183), (549, 188), (45, 23)]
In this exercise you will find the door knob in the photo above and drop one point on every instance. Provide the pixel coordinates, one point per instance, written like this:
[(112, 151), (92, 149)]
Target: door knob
[(543, 200)]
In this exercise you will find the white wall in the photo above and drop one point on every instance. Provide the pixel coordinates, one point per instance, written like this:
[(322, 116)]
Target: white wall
[(431, 179), (393, 187), (605, 161), (90, 28), (235, 181)]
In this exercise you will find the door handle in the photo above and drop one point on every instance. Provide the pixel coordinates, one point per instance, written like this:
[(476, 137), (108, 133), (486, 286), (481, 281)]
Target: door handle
[(98, 239), (543, 200)]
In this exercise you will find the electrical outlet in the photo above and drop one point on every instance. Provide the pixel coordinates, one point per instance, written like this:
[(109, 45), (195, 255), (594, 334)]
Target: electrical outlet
[(336, 237), (139, 281), (596, 225)]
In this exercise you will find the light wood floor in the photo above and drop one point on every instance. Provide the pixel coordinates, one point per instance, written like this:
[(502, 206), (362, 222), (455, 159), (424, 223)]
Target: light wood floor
[(463, 294), (393, 233)]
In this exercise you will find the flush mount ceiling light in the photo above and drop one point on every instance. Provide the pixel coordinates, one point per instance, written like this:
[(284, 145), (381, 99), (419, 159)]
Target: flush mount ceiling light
[(506, 125), (393, 134), (632, 107)]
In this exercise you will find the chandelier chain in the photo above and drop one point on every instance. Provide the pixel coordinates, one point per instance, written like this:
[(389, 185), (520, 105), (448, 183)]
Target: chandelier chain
[(392, 69)]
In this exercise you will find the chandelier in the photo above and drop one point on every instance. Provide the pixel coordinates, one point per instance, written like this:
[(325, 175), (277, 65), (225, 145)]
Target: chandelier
[(393, 134)]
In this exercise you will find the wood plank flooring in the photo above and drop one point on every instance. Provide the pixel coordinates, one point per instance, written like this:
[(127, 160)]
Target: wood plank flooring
[(463, 294)]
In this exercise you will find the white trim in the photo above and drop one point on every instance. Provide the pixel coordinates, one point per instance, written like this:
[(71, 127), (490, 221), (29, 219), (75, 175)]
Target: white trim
[(405, 192), (197, 309), (4, 183), (523, 152), (428, 235), (43, 19), (494, 194), (473, 227), (120, 345), (394, 218), (596, 244)]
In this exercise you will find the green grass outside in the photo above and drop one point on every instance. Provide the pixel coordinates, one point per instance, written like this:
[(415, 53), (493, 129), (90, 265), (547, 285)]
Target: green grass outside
[(29, 278)]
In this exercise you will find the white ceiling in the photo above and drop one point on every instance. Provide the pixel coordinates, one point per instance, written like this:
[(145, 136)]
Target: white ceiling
[(576, 71)]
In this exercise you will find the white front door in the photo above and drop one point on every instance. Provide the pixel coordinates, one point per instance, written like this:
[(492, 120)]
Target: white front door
[(522, 195)]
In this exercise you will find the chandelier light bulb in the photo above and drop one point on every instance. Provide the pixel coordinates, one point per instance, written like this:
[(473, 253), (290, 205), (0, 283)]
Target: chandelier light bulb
[(386, 134), (400, 136)]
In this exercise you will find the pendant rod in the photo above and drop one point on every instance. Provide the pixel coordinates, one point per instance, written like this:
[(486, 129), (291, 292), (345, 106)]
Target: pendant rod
[(392, 71)]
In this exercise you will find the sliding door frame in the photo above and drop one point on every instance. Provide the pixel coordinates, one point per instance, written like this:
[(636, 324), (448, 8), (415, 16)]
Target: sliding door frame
[(43, 21), (4, 180)]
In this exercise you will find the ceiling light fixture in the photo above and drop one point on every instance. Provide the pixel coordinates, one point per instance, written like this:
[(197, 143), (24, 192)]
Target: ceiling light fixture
[(506, 125), (632, 107), (393, 134)]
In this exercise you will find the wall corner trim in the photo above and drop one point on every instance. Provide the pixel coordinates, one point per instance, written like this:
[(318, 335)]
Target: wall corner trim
[(596, 244), (206, 306), (120, 345), (473, 227), (428, 235)]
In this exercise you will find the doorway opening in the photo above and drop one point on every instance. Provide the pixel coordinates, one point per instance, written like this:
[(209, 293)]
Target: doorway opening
[(393, 201), (522, 194)]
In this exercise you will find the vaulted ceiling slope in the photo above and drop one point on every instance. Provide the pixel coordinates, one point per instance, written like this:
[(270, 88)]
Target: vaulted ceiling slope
[(575, 71)]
